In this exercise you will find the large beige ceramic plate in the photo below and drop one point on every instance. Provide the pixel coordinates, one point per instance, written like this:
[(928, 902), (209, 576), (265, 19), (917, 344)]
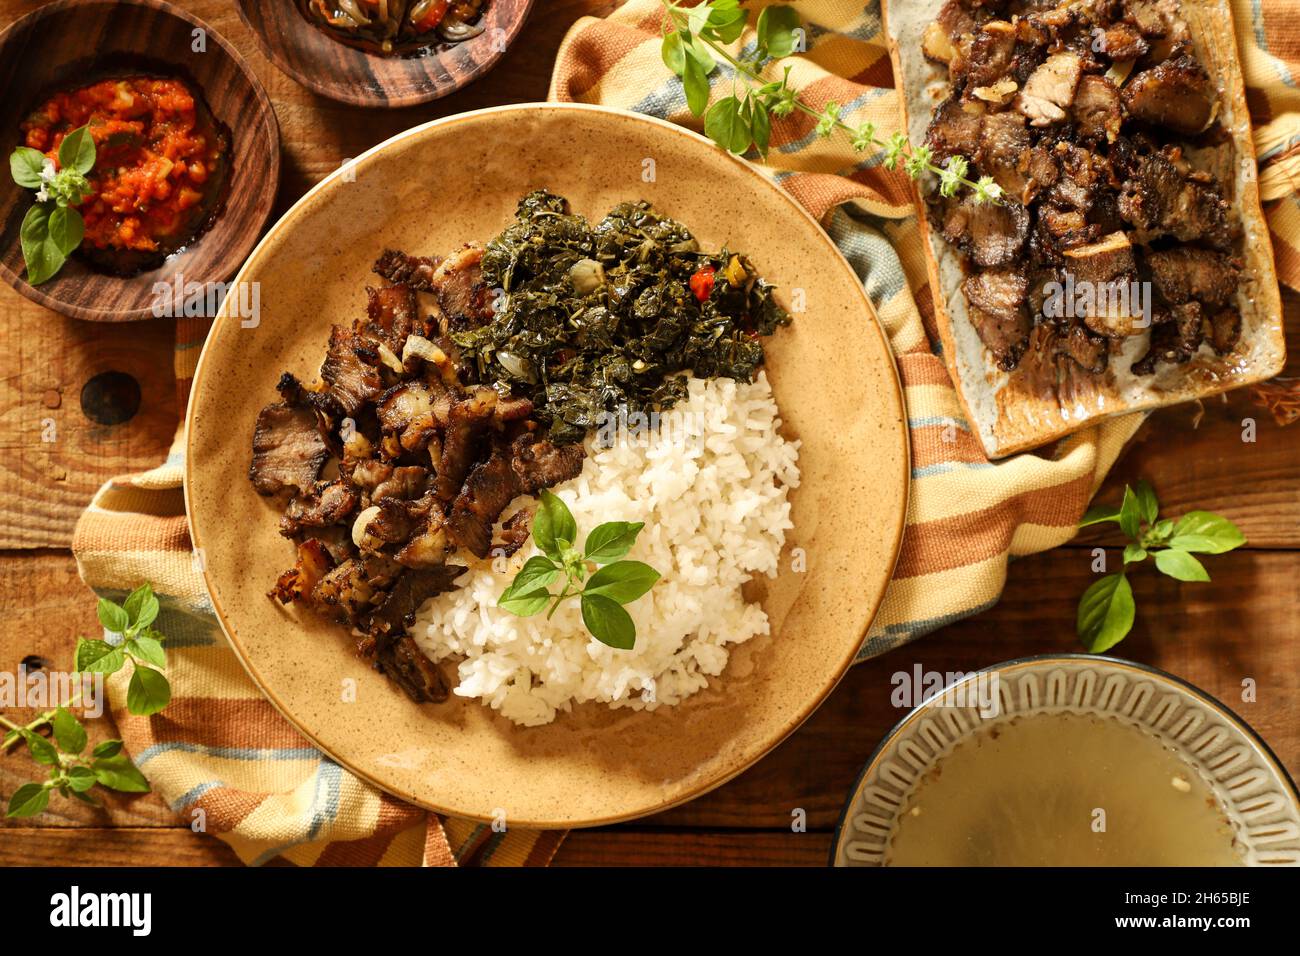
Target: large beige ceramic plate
[(426, 191)]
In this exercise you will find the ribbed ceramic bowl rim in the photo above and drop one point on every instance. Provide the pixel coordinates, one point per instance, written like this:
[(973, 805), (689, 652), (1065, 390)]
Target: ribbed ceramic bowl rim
[(1228, 714)]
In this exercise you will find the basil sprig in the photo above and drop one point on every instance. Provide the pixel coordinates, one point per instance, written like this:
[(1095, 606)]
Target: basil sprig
[(52, 228), (73, 772), (699, 38), (602, 591), (1107, 610)]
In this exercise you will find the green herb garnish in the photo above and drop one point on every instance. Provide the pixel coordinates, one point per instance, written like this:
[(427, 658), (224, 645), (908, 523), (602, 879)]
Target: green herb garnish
[(52, 228), (612, 584), (1107, 609), (72, 772), (699, 38)]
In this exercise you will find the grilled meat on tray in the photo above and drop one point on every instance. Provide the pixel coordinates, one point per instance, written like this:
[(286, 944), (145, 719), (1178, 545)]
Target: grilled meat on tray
[(1088, 115)]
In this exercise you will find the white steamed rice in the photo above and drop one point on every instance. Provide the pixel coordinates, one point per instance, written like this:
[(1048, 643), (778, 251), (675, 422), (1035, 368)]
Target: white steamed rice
[(711, 486)]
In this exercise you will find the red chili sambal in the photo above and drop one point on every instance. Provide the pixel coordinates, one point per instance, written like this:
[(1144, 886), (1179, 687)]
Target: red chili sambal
[(157, 161)]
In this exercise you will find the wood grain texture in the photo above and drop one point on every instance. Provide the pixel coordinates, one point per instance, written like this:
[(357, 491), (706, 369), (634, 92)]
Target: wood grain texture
[(59, 47), (328, 66), (54, 456), (1243, 623)]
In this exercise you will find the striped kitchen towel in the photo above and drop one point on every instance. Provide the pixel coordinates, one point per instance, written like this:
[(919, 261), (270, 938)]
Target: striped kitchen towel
[(967, 516), (220, 755)]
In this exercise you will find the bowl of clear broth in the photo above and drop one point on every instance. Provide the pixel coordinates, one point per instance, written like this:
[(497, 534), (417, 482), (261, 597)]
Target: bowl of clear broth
[(145, 159), (1071, 760)]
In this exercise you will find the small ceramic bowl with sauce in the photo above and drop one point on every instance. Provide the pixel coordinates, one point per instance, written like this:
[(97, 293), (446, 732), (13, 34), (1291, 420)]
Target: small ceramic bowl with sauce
[(384, 53), (186, 164), (1071, 760)]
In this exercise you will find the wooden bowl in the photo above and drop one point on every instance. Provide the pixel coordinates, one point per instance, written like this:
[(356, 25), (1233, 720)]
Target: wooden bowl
[(832, 374), (60, 46), (328, 66)]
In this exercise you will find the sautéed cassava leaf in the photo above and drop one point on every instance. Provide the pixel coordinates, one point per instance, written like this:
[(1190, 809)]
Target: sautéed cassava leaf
[(591, 320)]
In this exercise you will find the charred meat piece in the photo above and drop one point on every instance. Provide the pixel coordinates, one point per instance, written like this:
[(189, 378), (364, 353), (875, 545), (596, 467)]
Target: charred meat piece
[(997, 310), (942, 36), (297, 584), (463, 296), (514, 532), (410, 589), (1105, 274), (427, 547), (1175, 95), (349, 590), (993, 235), (1184, 274), (406, 410), (1049, 91), (328, 503), (1122, 42), (954, 130), (419, 677), (1004, 142), (467, 424), (1224, 330), (1175, 341), (540, 463), (401, 269), (405, 483), (1085, 349), (1097, 113), (392, 314), (350, 370), (987, 58), (491, 486), (1159, 199), (288, 451)]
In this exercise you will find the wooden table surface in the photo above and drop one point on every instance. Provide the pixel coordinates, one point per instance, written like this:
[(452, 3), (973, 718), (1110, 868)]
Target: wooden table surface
[(1242, 625)]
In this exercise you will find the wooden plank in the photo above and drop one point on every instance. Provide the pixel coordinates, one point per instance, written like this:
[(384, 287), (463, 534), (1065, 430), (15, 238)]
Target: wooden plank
[(178, 846), (46, 608), (629, 846)]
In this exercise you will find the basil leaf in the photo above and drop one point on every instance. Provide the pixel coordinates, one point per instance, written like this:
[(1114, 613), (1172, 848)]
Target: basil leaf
[(25, 165), (761, 128), (1130, 514), (42, 750), (113, 617), (118, 773), (107, 748), (611, 540), (66, 228), (148, 650), (42, 256), (698, 51), (697, 18), (1148, 506), (673, 53), (99, 657), (1133, 553), (1180, 565), (623, 581), (552, 524), (726, 126), (1159, 532), (28, 800), (776, 26), (148, 692), (69, 733), (86, 797), (607, 621), (727, 26), (1106, 613), (696, 85), (1098, 514), (77, 151), (524, 605), (1206, 532), (81, 779), (141, 606)]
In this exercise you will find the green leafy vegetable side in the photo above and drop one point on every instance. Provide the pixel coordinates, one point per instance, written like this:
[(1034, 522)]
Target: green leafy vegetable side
[(52, 228), (597, 574), (1107, 609)]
